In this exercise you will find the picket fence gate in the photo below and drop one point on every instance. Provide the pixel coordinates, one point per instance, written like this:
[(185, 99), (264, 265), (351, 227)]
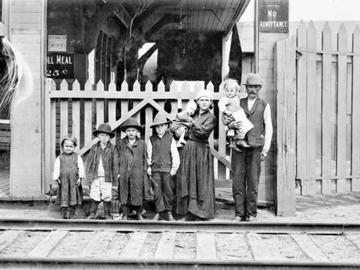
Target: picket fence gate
[(72, 109)]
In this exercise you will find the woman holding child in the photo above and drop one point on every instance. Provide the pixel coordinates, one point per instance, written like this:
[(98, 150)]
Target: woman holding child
[(195, 192)]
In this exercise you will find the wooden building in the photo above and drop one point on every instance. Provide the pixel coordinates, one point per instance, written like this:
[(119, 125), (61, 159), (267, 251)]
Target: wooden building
[(82, 67)]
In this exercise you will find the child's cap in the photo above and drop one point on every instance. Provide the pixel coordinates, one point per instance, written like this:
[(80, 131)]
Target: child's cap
[(160, 118), (104, 128), (68, 138), (204, 93), (131, 123)]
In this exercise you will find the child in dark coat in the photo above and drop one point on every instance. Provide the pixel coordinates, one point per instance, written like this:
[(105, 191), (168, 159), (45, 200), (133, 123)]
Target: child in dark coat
[(68, 172), (163, 162), (132, 157), (102, 170)]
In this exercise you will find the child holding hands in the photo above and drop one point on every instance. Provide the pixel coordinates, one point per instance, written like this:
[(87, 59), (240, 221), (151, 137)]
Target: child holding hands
[(102, 170), (163, 162), (68, 172)]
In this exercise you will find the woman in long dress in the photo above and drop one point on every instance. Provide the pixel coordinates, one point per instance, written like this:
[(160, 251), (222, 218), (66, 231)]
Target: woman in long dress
[(195, 191)]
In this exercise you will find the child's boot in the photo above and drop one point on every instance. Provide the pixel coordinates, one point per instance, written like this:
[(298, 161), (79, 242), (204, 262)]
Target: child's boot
[(156, 217), (170, 216), (72, 210), (63, 212), (93, 209), (242, 143), (107, 210), (139, 216)]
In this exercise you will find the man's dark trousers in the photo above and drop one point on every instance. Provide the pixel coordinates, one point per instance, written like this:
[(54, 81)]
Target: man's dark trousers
[(246, 167)]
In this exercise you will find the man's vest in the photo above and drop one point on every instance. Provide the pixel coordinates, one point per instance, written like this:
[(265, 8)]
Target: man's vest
[(256, 136), (161, 153)]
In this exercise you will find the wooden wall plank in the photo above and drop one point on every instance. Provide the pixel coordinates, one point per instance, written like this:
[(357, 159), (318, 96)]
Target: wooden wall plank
[(326, 111), (341, 116), (309, 248), (49, 148), (286, 135), (355, 159), (301, 147)]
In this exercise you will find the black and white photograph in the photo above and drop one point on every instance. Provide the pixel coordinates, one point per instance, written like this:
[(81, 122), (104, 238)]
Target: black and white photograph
[(179, 134)]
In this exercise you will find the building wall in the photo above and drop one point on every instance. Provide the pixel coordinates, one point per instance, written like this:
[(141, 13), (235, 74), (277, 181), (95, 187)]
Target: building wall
[(25, 33)]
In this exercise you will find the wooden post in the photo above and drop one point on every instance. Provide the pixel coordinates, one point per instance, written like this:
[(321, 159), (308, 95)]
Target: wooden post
[(26, 119), (286, 127)]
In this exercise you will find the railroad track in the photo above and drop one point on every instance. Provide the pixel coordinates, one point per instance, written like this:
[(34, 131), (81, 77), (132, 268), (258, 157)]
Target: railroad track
[(152, 245)]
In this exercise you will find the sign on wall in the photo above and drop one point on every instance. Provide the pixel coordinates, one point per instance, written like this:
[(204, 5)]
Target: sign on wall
[(57, 43), (274, 16), (60, 65)]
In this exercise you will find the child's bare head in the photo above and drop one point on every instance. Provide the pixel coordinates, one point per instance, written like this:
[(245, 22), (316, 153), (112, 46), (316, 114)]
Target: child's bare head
[(231, 88), (191, 107), (68, 144)]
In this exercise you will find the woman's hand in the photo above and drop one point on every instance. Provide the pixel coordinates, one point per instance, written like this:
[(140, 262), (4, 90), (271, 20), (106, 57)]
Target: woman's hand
[(149, 171), (58, 181)]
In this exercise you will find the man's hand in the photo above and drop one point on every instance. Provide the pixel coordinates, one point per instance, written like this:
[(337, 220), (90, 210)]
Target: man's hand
[(149, 171), (58, 181), (263, 155)]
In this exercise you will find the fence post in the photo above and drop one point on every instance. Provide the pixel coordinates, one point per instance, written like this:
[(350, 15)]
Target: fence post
[(285, 117)]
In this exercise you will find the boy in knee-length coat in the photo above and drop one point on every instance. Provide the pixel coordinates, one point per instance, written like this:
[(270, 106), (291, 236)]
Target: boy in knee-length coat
[(133, 166)]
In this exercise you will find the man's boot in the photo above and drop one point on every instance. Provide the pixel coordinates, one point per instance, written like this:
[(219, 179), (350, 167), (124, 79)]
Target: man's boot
[(93, 209), (72, 212), (63, 212), (170, 216), (107, 210)]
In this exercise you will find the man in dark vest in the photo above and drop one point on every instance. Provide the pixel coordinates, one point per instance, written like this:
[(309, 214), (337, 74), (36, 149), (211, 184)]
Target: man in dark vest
[(246, 163)]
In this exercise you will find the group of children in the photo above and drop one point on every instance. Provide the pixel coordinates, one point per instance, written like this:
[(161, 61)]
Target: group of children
[(131, 169)]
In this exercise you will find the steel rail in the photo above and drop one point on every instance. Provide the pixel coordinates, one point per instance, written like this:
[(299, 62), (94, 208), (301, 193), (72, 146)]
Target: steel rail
[(158, 226), (76, 263)]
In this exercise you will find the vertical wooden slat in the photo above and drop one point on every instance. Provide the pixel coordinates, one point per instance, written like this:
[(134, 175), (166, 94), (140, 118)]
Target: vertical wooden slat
[(124, 103), (206, 246), (326, 111), (99, 105), (112, 103), (309, 184), (341, 104), (64, 119), (355, 160), (87, 116), (301, 146), (136, 93), (76, 114), (286, 103), (148, 113)]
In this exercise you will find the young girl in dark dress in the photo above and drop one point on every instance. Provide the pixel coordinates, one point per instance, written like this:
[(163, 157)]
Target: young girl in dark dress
[(68, 172)]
